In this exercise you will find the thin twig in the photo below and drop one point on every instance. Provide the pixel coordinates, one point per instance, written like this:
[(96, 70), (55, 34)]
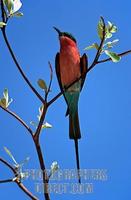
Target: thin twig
[(26, 191), (3, 12), (6, 181), (8, 165), (109, 59), (21, 186), (50, 83), (19, 67), (18, 119)]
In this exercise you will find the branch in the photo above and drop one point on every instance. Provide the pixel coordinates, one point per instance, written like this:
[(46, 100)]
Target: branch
[(51, 78), (6, 181), (3, 12), (109, 59), (18, 119), (38, 130), (19, 67), (21, 186), (43, 169), (36, 138)]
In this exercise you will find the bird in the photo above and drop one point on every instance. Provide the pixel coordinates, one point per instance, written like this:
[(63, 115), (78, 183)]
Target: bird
[(70, 67)]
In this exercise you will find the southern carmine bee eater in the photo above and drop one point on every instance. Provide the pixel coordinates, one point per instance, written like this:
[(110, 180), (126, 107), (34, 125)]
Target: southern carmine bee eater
[(69, 67)]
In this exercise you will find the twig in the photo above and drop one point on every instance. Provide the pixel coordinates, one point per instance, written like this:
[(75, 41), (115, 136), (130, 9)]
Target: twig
[(19, 67), (3, 11), (109, 59), (18, 119), (6, 181), (21, 186), (51, 78), (8, 165)]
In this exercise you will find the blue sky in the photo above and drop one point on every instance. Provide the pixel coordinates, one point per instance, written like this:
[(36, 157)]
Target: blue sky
[(105, 103)]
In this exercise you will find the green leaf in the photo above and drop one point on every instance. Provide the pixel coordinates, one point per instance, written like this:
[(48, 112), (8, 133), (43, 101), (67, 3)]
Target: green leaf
[(9, 4), (111, 27), (108, 34), (3, 103), (46, 125), (113, 56), (42, 84), (2, 24), (10, 154), (100, 27), (110, 44), (54, 167), (6, 95), (94, 45)]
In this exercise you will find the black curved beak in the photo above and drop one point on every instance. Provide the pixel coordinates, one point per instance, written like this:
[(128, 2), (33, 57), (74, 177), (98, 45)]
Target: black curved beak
[(58, 31)]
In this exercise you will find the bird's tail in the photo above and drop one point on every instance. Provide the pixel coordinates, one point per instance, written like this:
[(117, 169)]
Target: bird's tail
[(77, 159), (74, 133), (74, 127)]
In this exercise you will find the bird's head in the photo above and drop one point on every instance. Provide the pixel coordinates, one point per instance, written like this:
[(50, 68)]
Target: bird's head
[(65, 37)]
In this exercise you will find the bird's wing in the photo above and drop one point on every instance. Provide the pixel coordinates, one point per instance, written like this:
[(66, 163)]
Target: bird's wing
[(57, 68), (83, 67)]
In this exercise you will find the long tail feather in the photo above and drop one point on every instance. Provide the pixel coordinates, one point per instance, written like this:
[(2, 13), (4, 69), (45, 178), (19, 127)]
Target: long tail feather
[(74, 133), (74, 127), (77, 159)]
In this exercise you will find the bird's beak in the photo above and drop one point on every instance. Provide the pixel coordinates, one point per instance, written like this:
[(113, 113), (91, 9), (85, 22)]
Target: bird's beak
[(58, 31)]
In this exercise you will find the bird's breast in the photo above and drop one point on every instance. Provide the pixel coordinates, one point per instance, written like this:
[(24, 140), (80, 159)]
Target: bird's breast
[(69, 65)]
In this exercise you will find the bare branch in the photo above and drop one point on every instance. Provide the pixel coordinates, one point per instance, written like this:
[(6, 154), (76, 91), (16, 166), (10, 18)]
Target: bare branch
[(6, 181), (8, 165), (18, 119), (43, 169), (36, 138), (51, 78), (2, 11), (39, 152)]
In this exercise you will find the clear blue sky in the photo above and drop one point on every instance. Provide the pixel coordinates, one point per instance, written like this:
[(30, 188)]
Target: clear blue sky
[(105, 103)]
